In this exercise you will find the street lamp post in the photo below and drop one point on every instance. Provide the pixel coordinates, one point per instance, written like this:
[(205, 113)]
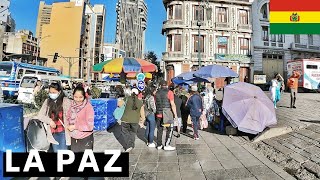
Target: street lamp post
[(38, 42)]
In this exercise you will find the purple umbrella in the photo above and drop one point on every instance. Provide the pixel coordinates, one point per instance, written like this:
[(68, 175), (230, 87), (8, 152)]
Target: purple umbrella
[(215, 71), (248, 108)]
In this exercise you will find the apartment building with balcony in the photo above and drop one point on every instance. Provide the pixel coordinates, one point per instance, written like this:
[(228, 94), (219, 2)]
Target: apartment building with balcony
[(225, 35), (271, 52), (131, 26)]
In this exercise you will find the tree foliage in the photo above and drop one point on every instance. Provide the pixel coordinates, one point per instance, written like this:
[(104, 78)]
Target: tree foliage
[(152, 57), (40, 97)]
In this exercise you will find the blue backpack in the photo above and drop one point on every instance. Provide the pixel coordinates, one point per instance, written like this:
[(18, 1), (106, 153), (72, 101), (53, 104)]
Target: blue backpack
[(119, 111)]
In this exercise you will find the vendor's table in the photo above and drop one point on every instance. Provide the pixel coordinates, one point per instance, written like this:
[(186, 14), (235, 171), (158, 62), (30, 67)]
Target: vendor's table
[(103, 113)]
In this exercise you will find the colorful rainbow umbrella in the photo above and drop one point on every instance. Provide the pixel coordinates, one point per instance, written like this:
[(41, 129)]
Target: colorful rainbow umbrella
[(128, 65)]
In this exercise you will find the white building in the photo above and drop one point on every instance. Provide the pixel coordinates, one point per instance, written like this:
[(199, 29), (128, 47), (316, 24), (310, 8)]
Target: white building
[(7, 23), (225, 35), (112, 51), (271, 52)]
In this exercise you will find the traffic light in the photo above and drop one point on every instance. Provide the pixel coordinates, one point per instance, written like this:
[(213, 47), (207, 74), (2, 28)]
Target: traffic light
[(102, 57), (55, 57)]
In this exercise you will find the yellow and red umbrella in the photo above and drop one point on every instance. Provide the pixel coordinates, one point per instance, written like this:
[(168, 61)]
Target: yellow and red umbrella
[(128, 65)]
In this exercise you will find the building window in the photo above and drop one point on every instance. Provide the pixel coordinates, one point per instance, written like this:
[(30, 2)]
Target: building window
[(243, 16), (169, 43), (264, 11), (177, 42), (273, 37), (310, 39), (297, 38), (221, 14), (170, 15), (244, 46), (178, 12), (265, 33), (280, 38), (195, 43), (198, 13), (222, 44), (209, 14)]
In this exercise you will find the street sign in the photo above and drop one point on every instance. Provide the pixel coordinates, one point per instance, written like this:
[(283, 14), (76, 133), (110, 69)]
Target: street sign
[(141, 77), (141, 85)]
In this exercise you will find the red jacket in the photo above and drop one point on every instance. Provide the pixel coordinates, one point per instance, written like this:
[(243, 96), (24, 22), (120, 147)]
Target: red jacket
[(293, 80)]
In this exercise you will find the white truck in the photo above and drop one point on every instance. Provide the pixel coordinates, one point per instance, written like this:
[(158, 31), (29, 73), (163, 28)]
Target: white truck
[(309, 70)]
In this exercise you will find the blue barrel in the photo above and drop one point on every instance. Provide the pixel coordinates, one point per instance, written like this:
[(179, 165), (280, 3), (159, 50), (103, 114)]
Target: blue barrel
[(103, 113)]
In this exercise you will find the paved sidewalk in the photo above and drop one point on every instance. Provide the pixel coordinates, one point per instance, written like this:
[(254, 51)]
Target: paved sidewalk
[(214, 156)]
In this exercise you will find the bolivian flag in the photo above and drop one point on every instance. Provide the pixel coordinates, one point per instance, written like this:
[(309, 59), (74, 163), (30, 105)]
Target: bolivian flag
[(295, 16)]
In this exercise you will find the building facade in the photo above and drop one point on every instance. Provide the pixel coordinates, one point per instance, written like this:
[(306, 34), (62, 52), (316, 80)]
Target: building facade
[(22, 44), (131, 26), (212, 32), (78, 39), (93, 39), (7, 23), (63, 36), (44, 15), (271, 52), (112, 51)]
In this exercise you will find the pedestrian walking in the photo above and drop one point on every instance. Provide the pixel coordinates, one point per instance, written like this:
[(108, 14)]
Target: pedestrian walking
[(281, 85), (178, 103), (185, 111), (80, 122), (273, 90), (293, 87), (132, 118), (150, 110), (165, 115), (53, 113), (196, 108)]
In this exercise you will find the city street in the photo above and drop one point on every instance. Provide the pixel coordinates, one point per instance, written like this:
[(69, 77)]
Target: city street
[(298, 152)]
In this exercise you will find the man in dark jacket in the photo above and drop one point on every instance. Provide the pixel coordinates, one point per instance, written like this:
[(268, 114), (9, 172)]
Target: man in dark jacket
[(165, 105), (196, 108)]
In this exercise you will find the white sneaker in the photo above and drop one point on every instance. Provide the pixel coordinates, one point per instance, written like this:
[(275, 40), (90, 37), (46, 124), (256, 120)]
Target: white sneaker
[(152, 145), (169, 148), (129, 149), (159, 147)]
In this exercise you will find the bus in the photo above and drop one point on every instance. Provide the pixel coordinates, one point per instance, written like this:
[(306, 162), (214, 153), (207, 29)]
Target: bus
[(12, 72), (309, 70)]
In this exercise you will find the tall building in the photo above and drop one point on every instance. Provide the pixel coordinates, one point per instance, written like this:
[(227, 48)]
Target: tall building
[(112, 51), (207, 32), (271, 52), (7, 23), (131, 26), (93, 40), (78, 39), (63, 36), (44, 15)]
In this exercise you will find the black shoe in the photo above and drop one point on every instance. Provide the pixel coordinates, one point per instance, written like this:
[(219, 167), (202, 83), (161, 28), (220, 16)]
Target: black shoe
[(294, 107), (178, 135)]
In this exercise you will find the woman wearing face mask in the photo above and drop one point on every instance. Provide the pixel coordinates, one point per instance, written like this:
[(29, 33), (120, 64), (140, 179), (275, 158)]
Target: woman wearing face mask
[(53, 113), (80, 121)]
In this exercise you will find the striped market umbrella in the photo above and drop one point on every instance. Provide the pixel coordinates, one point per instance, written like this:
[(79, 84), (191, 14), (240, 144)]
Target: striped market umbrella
[(128, 65)]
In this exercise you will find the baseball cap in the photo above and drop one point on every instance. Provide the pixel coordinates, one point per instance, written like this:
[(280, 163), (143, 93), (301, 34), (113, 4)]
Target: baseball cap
[(135, 90), (194, 88)]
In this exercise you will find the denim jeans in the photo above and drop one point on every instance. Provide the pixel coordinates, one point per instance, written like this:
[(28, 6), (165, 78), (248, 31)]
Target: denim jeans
[(151, 126), (195, 123), (61, 138)]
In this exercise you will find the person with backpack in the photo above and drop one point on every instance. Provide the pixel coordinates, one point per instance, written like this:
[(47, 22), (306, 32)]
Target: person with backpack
[(165, 115), (196, 108), (80, 122), (150, 110), (132, 118), (53, 114)]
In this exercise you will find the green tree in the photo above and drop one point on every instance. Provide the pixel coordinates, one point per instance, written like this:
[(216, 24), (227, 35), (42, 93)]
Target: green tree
[(152, 57)]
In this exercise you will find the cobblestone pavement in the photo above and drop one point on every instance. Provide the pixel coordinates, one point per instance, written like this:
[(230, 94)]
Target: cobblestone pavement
[(297, 152), (214, 156)]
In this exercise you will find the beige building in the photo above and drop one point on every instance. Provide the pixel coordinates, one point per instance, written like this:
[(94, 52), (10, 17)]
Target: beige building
[(44, 15), (22, 44), (220, 32), (78, 39)]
